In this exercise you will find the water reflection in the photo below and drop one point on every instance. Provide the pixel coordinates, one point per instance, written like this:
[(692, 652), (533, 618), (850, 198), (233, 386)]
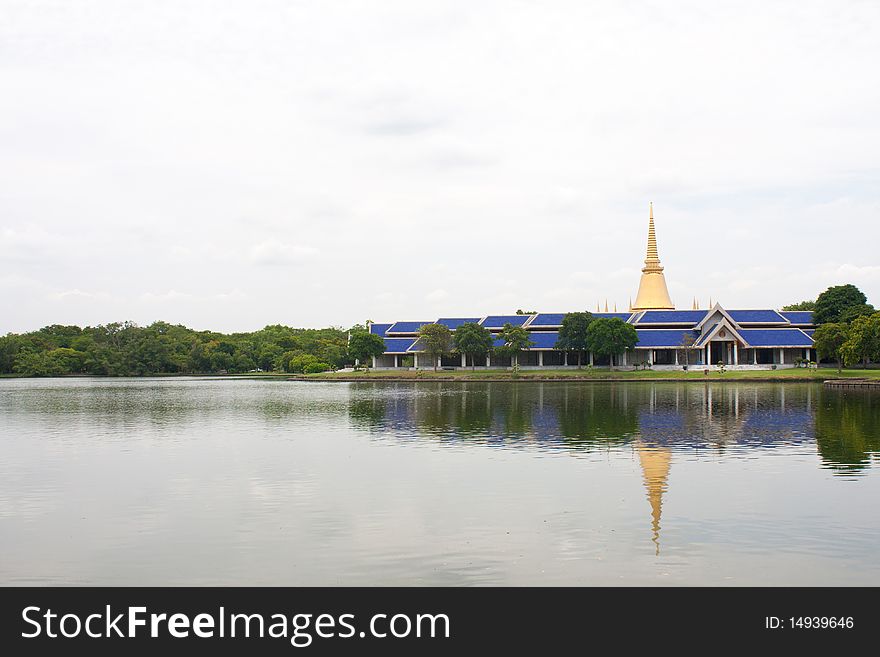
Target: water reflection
[(848, 430), (655, 420), (587, 416), (655, 463), (174, 481)]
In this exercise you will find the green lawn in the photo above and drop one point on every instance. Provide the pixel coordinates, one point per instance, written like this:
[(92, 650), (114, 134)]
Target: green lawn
[(795, 374)]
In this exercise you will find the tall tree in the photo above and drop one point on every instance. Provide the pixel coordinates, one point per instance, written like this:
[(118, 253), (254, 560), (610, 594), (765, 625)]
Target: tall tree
[(573, 333), (363, 346), (515, 339), (829, 339), (863, 341), (853, 312), (437, 340), (473, 341), (610, 336), (834, 301)]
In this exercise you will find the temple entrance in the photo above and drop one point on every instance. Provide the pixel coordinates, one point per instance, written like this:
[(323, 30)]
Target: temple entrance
[(720, 352)]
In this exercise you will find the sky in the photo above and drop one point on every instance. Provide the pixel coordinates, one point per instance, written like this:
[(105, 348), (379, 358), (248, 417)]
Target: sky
[(232, 164)]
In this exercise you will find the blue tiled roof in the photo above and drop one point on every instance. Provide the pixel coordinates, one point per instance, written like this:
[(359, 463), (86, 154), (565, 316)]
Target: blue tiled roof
[(785, 337), (756, 317), (397, 345), (498, 321), (623, 316), (798, 316), (544, 339), (663, 338), (453, 323), (497, 342), (809, 331), (548, 319), (379, 329), (406, 327), (672, 316)]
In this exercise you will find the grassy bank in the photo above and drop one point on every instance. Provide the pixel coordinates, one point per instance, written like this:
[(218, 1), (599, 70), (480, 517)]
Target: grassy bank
[(796, 374)]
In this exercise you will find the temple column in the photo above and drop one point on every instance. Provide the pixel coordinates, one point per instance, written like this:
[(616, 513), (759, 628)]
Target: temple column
[(374, 362), (439, 361), (809, 354), (651, 357), (591, 359), (676, 358), (781, 356), (540, 359), (735, 355), (488, 360), (395, 360), (463, 360), (415, 361), (623, 361), (565, 359), (754, 356)]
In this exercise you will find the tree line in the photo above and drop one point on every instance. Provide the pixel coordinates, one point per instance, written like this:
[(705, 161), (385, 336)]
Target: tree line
[(126, 349), (848, 327)]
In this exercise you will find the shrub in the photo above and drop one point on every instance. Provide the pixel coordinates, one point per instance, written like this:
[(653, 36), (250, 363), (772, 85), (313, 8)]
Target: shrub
[(314, 368), (301, 363)]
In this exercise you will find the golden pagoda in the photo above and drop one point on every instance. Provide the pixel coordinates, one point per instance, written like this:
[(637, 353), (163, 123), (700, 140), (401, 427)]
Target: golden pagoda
[(653, 294)]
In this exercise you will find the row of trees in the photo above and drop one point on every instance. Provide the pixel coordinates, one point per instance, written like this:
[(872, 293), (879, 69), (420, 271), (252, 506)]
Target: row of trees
[(580, 333), (837, 304), (848, 327), (850, 343), (126, 349)]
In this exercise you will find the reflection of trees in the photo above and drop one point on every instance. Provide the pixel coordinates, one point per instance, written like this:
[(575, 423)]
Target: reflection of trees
[(583, 416), (589, 413), (848, 429)]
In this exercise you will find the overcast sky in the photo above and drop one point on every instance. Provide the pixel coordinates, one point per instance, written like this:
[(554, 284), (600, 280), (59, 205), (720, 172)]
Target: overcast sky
[(228, 165)]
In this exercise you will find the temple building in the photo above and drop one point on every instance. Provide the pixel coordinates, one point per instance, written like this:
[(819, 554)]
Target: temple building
[(761, 338)]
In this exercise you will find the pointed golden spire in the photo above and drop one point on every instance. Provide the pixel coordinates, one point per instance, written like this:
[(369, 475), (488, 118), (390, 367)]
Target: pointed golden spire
[(653, 293), (597, 306), (606, 305), (615, 306), (710, 303), (630, 304)]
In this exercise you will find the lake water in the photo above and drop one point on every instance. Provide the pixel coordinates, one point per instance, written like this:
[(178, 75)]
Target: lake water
[(196, 481)]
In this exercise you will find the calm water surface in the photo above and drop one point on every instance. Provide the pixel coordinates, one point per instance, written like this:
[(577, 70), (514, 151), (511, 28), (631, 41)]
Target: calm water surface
[(195, 481)]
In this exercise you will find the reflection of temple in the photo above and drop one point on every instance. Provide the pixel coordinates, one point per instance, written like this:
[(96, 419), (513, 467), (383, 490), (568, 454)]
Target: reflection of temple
[(655, 471)]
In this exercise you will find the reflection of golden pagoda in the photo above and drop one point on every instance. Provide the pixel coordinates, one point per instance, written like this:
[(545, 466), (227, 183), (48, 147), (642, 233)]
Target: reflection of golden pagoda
[(653, 294), (655, 471)]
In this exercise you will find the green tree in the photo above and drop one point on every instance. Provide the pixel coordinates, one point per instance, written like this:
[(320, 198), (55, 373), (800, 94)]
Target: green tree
[(514, 340), (802, 305), (832, 303), (363, 346), (863, 341), (610, 336), (573, 333), (437, 341), (473, 341), (853, 312), (829, 339)]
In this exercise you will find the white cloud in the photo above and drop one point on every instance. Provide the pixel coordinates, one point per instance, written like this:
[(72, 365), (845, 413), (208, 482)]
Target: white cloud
[(437, 295), (289, 152), (273, 252)]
